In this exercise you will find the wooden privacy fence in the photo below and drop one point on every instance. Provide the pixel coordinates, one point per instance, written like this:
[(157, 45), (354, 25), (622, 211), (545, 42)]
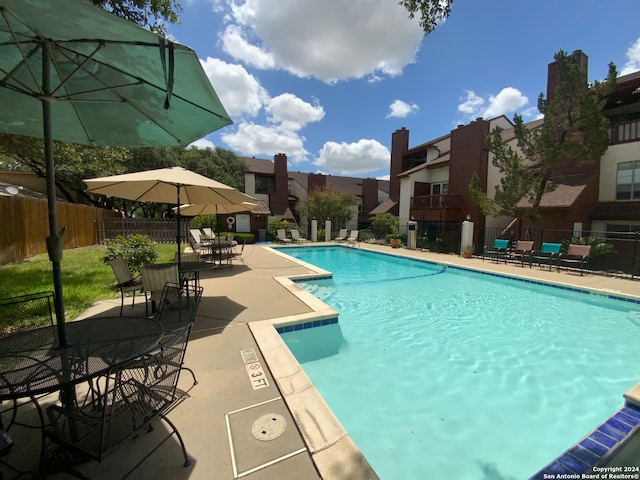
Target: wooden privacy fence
[(25, 226), (161, 230)]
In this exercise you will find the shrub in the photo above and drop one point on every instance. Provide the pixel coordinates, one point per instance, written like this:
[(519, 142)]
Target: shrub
[(278, 224), (138, 250), (384, 224)]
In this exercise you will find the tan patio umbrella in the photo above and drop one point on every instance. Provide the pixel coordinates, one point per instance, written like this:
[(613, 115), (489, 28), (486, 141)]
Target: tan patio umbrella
[(168, 185), (73, 72), (216, 209)]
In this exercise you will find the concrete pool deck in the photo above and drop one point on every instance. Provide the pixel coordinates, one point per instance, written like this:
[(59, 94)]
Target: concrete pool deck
[(234, 330)]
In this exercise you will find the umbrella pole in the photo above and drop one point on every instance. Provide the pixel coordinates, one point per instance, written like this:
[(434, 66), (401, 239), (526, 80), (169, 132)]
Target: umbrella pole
[(54, 240), (178, 238)]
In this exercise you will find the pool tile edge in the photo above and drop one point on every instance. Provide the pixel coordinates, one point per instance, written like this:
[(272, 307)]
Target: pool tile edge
[(333, 451)]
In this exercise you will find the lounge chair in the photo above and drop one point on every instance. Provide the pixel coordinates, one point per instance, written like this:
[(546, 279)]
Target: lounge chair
[(282, 236), (196, 234), (208, 231), (547, 255), (295, 235), (521, 251), (576, 256), (353, 237), (498, 251), (342, 236)]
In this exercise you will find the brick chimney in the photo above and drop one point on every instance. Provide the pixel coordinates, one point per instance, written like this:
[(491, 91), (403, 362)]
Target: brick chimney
[(399, 145), (279, 198), (552, 73)]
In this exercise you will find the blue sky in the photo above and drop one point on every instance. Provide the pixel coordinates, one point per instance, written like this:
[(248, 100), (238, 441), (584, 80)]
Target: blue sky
[(328, 81)]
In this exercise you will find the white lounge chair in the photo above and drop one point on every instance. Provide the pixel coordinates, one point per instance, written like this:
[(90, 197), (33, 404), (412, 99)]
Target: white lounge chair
[(282, 236), (342, 236), (196, 234), (295, 235), (353, 237)]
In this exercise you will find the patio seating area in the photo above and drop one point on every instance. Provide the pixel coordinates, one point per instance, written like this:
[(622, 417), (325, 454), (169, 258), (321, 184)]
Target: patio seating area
[(232, 337)]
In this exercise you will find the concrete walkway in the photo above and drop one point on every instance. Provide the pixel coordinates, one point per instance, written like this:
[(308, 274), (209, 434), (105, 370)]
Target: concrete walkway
[(236, 427)]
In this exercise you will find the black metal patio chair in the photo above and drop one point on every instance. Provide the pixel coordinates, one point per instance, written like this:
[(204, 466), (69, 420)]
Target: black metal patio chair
[(135, 395)]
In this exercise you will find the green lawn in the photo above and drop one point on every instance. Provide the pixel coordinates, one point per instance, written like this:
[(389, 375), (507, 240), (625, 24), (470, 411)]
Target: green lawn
[(85, 277)]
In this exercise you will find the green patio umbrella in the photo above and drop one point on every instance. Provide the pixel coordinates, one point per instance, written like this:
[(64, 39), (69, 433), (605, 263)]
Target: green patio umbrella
[(70, 71)]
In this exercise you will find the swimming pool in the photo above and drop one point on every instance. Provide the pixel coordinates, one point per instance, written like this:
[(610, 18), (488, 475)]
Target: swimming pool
[(445, 373)]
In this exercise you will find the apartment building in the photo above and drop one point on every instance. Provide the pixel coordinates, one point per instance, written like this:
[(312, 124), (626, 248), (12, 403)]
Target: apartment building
[(429, 182), (282, 190)]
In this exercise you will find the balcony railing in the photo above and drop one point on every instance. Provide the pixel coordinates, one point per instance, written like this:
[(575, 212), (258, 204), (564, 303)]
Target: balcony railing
[(628, 131)]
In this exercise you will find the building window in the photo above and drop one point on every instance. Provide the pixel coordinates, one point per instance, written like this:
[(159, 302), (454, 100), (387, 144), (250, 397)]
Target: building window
[(628, 181), (441, 188), (265, 184)]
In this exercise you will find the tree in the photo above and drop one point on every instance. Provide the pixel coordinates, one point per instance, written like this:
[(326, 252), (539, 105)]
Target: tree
[(574, 131), (431, 12), (152, 14), (328, 203), (73, 162)]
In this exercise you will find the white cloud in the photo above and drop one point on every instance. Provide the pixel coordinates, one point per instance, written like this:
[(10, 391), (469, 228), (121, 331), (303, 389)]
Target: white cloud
[(202, 144), (508, 101), (237, 46), (400, 109), (292, 113), (633, 59), (330, 39), (252, 139), (471, 104), (353, 158), (240, 92)]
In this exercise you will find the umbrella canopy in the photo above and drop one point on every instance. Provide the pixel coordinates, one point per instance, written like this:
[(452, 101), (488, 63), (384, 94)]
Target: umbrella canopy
[(216, 209), (110, 82), (70, 71), (168, 185)]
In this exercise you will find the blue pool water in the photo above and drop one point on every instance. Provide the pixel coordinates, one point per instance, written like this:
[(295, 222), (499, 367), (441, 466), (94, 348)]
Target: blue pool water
[(441, 373)]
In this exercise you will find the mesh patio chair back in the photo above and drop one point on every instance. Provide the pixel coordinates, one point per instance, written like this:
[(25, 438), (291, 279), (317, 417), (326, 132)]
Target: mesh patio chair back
[(20, 314), (153, 280), (26, 312), (125, 281), (178, 306), (136, 394)]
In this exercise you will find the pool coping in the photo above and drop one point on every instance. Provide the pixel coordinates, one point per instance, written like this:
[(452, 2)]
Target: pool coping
[(332, 449)]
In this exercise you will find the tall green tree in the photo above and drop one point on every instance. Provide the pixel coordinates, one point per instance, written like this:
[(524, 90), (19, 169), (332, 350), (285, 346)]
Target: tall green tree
[(328, 203), (151, 14), (574, 131), (430, 12), (73, 162)]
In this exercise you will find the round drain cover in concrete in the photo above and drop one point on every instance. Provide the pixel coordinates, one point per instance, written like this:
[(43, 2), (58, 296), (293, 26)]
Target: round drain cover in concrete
[(269, 427)]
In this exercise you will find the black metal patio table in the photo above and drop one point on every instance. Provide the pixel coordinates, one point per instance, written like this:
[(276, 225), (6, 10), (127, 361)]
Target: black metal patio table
[(32, 363)]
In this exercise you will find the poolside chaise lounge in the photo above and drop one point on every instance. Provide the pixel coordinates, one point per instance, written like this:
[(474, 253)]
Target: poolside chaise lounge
[(342, 236), (353, 237), (295, 235), (576, 256), (497, 251), (282, 236), (521, 251), (547, 255)]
